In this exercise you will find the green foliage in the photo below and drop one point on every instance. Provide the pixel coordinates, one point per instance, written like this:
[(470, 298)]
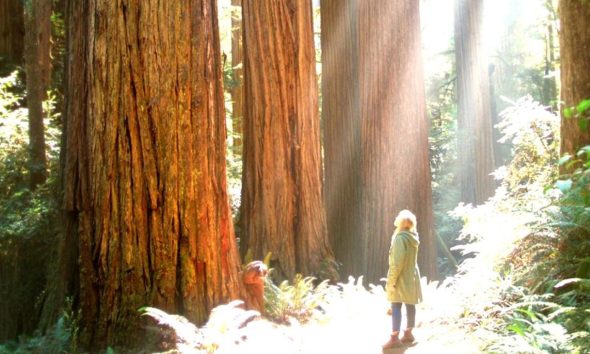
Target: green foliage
[(300, 301), (535, 236), (581, 113), (529, 325), (24, 213), (553, 260), (59, 339), (532, 131), (28, 219), (442, 111)]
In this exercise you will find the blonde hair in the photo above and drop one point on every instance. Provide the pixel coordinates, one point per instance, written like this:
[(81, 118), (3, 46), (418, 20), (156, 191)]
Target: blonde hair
[(405, 216)]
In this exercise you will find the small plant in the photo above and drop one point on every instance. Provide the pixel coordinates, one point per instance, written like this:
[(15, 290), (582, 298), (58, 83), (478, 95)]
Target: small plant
[(581, 112), (532, 326), (60, 338), (300, 301)]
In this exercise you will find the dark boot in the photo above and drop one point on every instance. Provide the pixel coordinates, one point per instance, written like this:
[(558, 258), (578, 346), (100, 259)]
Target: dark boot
[(408, 337), (393, 341)]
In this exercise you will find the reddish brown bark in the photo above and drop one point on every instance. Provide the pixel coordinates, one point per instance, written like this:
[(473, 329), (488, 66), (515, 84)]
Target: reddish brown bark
[(12, 30), (574, 40), (148, 218), (38, 72), (282, 207), (474, 117), (254, 277), (376, 131)]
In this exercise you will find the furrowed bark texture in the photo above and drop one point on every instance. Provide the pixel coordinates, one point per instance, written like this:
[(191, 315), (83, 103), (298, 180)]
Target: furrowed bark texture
[(574, 38), (474, 118), (148, 219), (38, 72), (282, 203), (12, 30), (376, 131)]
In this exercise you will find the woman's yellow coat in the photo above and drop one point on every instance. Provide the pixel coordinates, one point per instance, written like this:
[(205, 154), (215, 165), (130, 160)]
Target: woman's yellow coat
[(403, 277)]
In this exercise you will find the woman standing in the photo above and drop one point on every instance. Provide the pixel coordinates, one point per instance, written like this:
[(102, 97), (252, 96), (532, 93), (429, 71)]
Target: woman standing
[(403, 277)]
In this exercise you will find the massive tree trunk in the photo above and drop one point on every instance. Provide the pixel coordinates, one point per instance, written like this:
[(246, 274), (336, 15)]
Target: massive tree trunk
[(282, 203), (376, 131), (237, 61), (574, 39), (342, 134), (12, 30), (148, 218), (474, 119), (38, 72)]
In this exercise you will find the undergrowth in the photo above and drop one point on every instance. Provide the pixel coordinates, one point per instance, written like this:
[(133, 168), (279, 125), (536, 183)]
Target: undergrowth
[(532, 244), (28, 226)]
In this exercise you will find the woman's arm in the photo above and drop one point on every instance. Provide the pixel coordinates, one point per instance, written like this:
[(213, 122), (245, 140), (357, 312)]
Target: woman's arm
[(397, 254)]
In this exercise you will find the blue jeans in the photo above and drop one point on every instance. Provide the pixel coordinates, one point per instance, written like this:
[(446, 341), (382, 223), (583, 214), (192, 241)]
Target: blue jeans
[(396, 315)]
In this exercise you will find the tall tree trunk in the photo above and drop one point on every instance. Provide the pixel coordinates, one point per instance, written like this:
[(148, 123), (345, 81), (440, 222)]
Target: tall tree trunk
[(474, 119), (38, 71), (574, 39), (376, 131), (237, 91), (342, 134), (282, 202), (12, 30), (148, 218)]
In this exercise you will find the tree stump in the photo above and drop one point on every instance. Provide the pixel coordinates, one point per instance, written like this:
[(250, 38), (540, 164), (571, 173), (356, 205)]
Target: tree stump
[(253, 277)]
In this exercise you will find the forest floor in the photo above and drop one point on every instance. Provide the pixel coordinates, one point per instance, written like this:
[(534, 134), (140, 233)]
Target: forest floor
[(356, 321), (432, 338)]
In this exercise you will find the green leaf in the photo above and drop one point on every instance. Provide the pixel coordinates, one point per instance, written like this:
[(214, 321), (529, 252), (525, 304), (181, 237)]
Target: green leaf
[(568, 112), (585, 150), (583, 106), (583, 124), (564, 185), (516, 328), (565, 158)]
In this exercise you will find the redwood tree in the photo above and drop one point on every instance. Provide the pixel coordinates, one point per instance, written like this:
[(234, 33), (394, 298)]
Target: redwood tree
[(148, 218), (282, 206), (574, 40), (12, 30), (376, 131), (38, 72), (474, 117), (237, 61)]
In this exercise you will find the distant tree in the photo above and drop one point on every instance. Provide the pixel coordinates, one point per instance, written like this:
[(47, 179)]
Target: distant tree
[(549, 86), (282, 208), (474, 117), (574, 40), (237, 91), (12, 30), (147, 211), (375, 131), (38, 73)]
